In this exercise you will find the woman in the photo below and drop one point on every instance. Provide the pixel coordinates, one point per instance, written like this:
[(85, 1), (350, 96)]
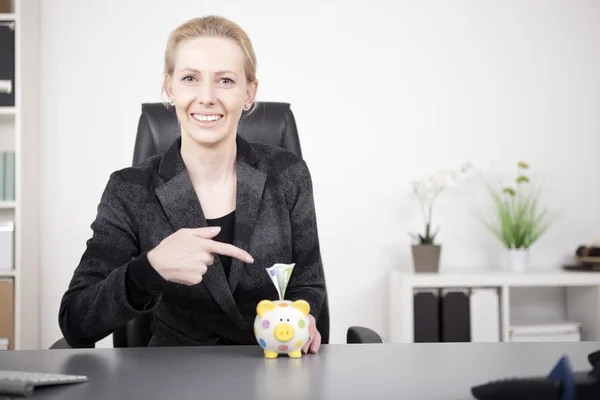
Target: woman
[(187, 235)]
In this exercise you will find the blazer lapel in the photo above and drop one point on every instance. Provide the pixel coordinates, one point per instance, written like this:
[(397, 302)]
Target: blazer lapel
[(250, 186), (180, 202)]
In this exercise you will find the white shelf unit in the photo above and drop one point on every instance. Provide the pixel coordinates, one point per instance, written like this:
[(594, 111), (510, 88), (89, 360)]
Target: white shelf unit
[(19, 132), (534, 297)]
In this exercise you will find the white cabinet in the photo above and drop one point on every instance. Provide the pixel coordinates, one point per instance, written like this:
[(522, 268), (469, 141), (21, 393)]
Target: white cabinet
[(542, 298)]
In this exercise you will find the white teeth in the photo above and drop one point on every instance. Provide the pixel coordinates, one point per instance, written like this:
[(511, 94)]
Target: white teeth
[(207, 118)]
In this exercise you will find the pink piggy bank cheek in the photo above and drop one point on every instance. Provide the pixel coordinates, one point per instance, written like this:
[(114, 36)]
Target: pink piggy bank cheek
[(266, 324)]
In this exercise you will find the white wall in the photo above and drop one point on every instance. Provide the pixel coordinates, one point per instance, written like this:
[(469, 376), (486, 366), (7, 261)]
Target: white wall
[(383, 93)]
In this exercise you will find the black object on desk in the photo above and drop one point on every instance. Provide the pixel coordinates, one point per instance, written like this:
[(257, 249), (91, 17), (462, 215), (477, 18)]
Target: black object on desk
[(561, 384), (21, 383)]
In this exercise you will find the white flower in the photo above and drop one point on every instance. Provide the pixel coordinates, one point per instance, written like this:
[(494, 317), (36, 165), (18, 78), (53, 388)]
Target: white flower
[(432, 186)]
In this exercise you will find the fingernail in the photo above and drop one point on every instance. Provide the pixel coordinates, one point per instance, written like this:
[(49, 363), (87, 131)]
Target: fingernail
[(250, 260), (215, 229)]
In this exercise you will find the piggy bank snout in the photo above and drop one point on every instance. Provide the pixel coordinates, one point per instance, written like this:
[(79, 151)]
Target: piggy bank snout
[(284, 332)]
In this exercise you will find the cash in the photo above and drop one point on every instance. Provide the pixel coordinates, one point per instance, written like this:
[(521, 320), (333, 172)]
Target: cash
[(280, 276)]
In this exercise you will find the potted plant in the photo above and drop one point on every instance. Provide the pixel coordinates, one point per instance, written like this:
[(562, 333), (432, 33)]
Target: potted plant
[(426, 251), (518, 220)]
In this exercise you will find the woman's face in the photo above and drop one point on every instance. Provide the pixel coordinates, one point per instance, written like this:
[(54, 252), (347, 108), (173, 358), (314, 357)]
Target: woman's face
[(209, 88)]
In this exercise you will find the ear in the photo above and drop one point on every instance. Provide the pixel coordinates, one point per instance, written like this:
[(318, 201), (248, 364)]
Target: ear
[(251, 92), (302, 305), (263, 307), (167, 86)]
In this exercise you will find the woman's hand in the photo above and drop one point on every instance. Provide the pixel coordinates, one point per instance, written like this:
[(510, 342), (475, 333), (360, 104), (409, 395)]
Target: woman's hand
[(314, 339), (184, 256)]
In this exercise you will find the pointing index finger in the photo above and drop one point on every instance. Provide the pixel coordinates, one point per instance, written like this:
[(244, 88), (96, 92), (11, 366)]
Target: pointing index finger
[(230, 250)]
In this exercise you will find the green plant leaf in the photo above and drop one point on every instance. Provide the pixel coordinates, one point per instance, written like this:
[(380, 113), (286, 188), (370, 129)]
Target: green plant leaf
[(518, 220), (510, 191), (435, 234)]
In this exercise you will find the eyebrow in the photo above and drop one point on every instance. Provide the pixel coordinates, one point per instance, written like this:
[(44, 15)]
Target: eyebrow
[(216, 73)]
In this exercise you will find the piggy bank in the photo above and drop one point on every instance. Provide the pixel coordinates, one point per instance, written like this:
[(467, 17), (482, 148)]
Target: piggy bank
[(281, 327)]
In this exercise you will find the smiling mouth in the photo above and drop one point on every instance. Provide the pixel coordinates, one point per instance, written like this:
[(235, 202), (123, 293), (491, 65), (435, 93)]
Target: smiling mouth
[(207, 117)]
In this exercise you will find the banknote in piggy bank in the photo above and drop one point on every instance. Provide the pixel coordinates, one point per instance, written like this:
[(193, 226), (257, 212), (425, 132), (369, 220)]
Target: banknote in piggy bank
[(282, 327)]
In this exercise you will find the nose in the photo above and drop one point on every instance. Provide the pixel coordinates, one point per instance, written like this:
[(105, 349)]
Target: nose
[(205, 93), (284, 332)]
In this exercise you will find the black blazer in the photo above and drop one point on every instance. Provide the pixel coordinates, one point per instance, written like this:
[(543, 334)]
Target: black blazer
[(140, 206)]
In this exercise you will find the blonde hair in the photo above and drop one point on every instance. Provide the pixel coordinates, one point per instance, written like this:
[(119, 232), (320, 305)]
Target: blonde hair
[(211, 26)]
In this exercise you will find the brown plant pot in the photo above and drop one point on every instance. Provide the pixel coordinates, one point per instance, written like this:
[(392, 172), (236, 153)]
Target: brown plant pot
[(426, 258)]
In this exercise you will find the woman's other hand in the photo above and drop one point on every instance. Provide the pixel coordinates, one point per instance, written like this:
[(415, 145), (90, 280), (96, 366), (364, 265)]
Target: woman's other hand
[(314, 337)]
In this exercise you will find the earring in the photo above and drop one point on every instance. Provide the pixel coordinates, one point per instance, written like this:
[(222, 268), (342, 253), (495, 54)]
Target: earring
[(172, 102), (247, 107)]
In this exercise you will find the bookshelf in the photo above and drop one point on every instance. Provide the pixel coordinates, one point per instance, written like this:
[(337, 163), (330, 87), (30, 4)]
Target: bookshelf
[(19, 135), (536, 298)]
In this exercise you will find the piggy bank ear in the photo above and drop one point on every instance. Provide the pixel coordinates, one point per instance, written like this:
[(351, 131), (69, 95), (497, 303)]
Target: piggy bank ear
[(302, 305), (264, 306)]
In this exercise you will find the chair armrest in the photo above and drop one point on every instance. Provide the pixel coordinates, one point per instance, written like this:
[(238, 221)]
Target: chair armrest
[(361, 334), (62, 344)]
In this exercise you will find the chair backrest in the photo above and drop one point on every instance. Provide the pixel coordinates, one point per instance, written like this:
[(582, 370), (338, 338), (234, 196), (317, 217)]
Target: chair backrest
[(270, 123)]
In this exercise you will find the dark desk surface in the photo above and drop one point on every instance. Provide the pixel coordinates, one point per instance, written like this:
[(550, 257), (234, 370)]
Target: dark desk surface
[(415, 371)]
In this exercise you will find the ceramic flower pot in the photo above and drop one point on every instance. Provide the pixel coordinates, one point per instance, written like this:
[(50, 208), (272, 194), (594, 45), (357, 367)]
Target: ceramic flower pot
[(517, 260), (282, 327), (426, 258)]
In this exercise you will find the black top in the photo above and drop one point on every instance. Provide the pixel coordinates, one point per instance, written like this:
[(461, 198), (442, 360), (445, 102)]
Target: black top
[(227, 224), (142, 279)]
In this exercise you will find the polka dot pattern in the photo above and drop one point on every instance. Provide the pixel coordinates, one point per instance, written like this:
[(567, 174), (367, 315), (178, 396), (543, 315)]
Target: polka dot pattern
[(266, 324), (301, 324), (262, 342), (283, 304), (299, 344), (282, 347)]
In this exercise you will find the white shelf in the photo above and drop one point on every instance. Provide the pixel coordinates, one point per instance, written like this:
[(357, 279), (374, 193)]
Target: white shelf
[(8, 111), (534, 297), (497, 279), (7, 205), (8, 17), (7, 274)]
